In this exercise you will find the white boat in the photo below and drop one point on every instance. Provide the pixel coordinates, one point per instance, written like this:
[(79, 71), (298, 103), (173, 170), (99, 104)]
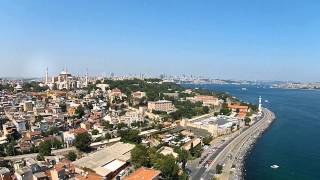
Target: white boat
[(244, 89), (266, 101), (274, 166)]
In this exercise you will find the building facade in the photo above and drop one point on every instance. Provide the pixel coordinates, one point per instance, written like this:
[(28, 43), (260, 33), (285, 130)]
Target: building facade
[(162, 105)]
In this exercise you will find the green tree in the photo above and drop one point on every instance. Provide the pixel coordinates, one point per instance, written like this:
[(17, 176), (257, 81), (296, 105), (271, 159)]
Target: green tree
[(53, 130), (45, 148), (33, 86), (83, 141), (2, 150), (207, 140), (10, 149), (107, 125), (140, 157), (247, 121), (72, 156), (107, 136), (225, 111), (121, 125), (130, 136), (95, 132), (219, 169), (192, 150), (206, 109), (40, 158), (183, 157), (168, 167), (80, 111), (56, 144)]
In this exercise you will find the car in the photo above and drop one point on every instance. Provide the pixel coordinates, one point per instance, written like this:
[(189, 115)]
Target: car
[(122, 173)]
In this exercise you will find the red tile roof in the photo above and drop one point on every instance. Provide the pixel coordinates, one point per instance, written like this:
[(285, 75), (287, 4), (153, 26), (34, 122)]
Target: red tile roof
[(90, 176), (65, 164), (79, 131), (144, 173)]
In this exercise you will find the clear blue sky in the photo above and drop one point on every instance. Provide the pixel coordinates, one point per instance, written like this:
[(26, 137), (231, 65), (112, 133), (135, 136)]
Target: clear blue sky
[(237, 39)]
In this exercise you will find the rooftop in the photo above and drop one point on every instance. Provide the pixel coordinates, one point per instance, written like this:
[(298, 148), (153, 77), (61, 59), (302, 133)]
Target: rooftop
[(106, 158), (89, 176), (4, 170), (144, 174)]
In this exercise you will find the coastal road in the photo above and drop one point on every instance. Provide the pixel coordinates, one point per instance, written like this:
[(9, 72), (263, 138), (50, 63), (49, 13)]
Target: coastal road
[(228, 152)]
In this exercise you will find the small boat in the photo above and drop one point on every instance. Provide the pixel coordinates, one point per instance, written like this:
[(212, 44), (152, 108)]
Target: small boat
[(274, 166), (244, 89), (266, 101)]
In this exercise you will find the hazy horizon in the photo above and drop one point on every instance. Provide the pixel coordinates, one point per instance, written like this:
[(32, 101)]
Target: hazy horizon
[(242, 40)]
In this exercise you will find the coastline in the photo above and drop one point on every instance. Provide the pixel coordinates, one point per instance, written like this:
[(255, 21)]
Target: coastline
[(232, 156), (246, 150)]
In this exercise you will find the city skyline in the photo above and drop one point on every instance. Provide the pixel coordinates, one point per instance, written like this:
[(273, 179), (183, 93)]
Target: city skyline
[(274, 40)]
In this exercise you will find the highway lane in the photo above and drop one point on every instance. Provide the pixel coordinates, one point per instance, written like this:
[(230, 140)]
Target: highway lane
[(237, 154), (235, 143), (200, 170)]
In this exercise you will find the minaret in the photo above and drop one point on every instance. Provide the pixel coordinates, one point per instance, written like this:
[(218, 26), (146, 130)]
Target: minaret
[(86, 84), (46, 80), (260, 104)]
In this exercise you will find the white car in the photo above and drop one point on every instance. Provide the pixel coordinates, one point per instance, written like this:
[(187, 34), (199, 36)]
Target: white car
[(122, 173)]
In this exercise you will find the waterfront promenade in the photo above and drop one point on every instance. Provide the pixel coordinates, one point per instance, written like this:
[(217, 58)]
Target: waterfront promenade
[(231, 154)]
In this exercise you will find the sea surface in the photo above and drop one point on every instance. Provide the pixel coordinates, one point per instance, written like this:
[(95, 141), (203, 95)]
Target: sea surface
[(293, 140)]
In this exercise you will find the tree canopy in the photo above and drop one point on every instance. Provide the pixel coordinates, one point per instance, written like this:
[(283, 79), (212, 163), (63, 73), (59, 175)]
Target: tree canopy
[(130, 136), (45, 148), (72, 156), (168, 167), (33, 87), (183, 157), (83, 141), (80, 111), (140, 156)]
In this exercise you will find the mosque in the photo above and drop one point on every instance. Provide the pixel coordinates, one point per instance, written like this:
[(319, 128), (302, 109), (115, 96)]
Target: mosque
[(66, 80)]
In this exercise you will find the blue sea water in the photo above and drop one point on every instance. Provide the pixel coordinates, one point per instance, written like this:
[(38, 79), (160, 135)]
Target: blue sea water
[(293, 140)]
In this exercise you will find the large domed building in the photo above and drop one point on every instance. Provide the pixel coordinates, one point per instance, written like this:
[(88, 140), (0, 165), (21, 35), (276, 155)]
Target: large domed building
[(65, 80)]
